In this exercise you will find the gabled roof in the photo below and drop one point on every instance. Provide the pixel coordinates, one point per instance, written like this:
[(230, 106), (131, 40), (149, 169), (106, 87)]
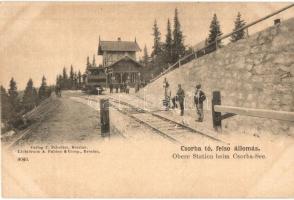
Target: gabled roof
[(117, 46), (125, 58)]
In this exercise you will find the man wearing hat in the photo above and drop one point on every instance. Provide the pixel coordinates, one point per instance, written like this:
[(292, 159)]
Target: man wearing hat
[(199, 98)]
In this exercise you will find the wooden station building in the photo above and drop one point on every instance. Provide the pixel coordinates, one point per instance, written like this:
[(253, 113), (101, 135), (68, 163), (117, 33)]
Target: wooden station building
[(119, 61)]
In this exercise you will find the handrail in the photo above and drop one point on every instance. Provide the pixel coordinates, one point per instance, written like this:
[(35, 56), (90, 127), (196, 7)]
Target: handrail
[(262, 113), (221, 112), (257, 21), (219, 39)]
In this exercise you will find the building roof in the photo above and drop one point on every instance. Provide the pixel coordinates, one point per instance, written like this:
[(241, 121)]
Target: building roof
[(117, 46), (125, 58), (95, 69)]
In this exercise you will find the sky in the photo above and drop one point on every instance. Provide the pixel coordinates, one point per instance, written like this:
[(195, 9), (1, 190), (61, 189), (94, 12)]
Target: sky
[(39, 39)]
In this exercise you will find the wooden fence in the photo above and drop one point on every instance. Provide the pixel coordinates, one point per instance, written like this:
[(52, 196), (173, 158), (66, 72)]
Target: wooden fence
[(214, 45)]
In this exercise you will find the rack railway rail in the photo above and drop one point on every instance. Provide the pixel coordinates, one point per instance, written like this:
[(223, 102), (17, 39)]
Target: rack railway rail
[(171, 130)]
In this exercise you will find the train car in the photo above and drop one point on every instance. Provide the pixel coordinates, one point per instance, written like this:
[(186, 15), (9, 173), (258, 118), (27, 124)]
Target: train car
[(95, 80)]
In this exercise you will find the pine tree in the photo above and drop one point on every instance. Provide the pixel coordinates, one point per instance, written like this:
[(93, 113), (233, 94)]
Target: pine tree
[(145, 56), (79, 79), (239, 23), (75, 81), (7, 109), (64, 82), (30, 97), (94, 61), (156, 44), (168, 44), (215, 31), (84, 78), (43, 90), (88, 65), (64, 74), (71, 77), (13, 94), (178, 42), (59, 80)]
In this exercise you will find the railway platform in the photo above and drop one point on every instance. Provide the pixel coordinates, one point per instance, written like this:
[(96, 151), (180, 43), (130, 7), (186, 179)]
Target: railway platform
[(189, 119)]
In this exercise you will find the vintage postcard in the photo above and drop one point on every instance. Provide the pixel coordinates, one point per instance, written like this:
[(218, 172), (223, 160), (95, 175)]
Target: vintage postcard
[(147, 99)]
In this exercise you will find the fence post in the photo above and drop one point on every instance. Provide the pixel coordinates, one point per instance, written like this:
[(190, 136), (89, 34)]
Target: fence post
[(104, 117), (216, 116)]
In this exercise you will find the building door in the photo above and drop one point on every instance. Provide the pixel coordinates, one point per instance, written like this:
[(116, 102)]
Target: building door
[(125, 77)]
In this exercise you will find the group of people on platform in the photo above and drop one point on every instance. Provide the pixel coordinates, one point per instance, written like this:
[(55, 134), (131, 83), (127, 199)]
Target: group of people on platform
[(199, 98), (123, 87)]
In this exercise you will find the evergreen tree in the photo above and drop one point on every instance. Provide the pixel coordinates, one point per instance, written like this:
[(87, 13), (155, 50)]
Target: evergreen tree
[(84, 78), (30, 97), (64, 74), (64, 81), (79, 79), (75, 81), (88, 62), (168, 44), (156, 43), (145, 56), (13, 94), (94, 61), (7, 109), (71, 77), (178, 41), (215, 31), (43, 90), (239, 23), (59, 80)]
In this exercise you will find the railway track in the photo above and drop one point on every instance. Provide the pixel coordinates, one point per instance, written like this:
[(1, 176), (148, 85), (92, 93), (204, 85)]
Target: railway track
[(174, 131), (37, 115)]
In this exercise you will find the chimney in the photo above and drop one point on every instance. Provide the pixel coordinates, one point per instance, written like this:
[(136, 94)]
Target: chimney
[(118, 39)]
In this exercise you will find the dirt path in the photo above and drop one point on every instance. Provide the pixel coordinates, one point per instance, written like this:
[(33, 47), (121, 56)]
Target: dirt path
[(70, 121)]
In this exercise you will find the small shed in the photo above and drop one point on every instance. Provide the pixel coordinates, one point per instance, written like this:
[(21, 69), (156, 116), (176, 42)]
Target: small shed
[(124, 70)]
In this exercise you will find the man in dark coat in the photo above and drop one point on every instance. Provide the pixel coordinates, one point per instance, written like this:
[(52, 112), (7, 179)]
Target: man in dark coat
[(181, 98), (199, 98), (111, 87), (116, 87)]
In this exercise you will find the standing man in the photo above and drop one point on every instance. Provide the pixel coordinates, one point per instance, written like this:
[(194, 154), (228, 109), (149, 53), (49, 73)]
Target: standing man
[(199, 98), (116, 87), (127, 88), (181, 98), (111, 87)]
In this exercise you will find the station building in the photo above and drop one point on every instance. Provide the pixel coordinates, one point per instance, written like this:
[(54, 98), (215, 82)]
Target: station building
[(120, 62)]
